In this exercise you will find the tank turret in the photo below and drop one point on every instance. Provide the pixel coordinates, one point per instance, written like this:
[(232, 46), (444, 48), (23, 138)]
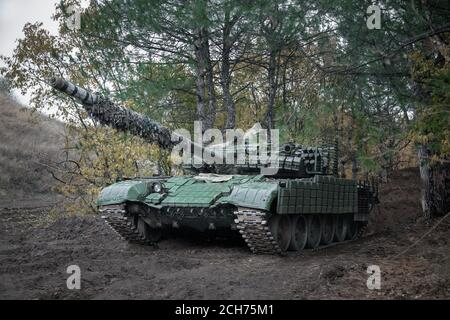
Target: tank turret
[(294, 160)]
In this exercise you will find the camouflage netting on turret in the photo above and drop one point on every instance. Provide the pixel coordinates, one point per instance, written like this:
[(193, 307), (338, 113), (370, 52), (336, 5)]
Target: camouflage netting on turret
[(107, 113), (123, 119)]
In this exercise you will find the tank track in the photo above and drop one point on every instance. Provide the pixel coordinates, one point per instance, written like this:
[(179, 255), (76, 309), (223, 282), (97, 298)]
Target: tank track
[(252, 224), (254, 229), (115, 217)]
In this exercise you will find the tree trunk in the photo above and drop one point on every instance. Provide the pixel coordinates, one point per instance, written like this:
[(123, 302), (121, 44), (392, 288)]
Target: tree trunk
[(225, 76), (212, 100), (200, 79), (205, 91), (273, 87), (435, 185)]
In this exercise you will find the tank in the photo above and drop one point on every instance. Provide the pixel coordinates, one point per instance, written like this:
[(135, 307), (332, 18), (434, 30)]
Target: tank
[(304, 205)]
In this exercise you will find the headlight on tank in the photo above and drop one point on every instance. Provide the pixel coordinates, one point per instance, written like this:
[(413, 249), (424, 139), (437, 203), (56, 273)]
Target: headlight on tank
[(157, 187)]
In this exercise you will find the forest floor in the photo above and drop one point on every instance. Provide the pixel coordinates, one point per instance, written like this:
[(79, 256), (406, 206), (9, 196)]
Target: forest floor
[(36, 248)]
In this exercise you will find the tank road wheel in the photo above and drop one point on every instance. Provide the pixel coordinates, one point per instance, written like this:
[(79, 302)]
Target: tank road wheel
[(328, 229), (341, 228), (352, 227), (299, 232), (147, 232), (280, 227), (314, 231)]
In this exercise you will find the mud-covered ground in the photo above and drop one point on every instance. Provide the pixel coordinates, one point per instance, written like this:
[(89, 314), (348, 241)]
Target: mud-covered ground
[(36, 248)]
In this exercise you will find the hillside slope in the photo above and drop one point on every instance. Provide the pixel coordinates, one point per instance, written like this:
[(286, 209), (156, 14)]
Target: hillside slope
[(26, 139)]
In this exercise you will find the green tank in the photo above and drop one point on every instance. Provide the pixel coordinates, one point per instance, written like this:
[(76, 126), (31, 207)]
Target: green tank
[(304, 205)]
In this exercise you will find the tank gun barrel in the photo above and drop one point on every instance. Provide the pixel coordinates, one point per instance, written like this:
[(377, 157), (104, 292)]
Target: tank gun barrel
[(116, 116), (82, 95)]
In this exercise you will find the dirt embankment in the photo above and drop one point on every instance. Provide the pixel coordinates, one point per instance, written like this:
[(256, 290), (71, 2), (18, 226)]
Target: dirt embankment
[(400, 201), (34, 255), (27, 142)]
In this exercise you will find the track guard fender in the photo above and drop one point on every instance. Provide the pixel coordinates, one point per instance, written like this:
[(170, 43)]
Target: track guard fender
[(120, 192), (257, 195)]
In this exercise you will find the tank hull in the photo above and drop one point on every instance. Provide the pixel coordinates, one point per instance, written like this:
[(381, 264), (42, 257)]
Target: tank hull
[(261, 209)]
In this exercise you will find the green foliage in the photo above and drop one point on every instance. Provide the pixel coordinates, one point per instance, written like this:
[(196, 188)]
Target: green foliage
[(98, 157), (329, 76), (432, 127)]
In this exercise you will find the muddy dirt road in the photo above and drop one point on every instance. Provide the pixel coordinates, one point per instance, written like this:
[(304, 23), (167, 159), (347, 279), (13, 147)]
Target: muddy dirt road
[(34, 255)]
